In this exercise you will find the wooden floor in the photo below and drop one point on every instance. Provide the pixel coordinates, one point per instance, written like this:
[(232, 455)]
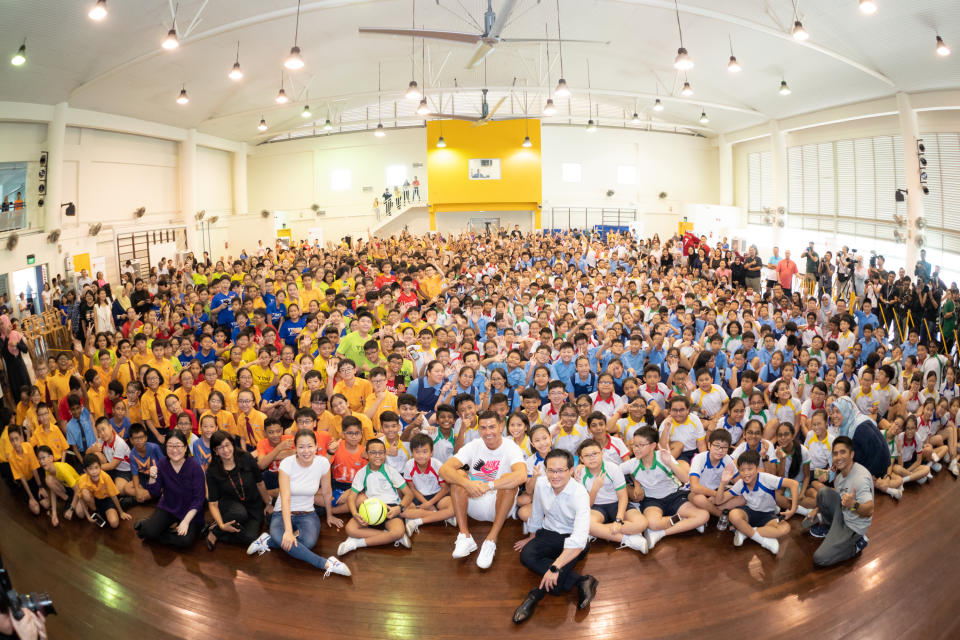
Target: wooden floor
[(107, 584)]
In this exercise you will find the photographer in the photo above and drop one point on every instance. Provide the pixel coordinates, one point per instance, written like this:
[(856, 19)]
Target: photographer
[(811, 270), (32, 626), (845, 265), (22, 615)]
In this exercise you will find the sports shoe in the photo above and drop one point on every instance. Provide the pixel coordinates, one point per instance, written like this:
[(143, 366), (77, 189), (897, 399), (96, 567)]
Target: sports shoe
[(464, 546), (810, 521), (405, 541), (653, 537), (924, 479), (591, 538), (337, 567), (451, 521), (636, 542), (412, 527), (771, 544), (487, 550), (348, 545), (954, 468), (738, 538), (701, 528), (896, 494), (819, 530), (861, 544), (259, 546), (936, 467)]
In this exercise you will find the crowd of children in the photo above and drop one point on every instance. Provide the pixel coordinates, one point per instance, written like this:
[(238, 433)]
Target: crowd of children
[(306, 381)]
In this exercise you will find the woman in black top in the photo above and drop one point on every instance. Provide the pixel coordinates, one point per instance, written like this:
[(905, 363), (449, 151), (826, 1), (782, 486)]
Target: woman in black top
[(236, 494)]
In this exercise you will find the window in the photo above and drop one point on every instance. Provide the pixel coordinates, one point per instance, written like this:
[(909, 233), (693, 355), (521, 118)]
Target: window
[(627, 174), (570, 172), (760, 179), (340, 180), (396, 175)]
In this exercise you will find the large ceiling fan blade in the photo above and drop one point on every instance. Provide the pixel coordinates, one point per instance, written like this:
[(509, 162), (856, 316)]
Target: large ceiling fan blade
[(483, 49), (451, 36), (502, 18), (496, 106), (565, 41)]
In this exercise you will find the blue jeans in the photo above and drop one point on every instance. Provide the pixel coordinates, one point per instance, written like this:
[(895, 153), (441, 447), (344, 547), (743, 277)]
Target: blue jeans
[(309, 526)]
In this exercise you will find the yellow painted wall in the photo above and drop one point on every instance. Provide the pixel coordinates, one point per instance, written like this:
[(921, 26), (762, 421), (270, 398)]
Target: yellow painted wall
[(451, 189)]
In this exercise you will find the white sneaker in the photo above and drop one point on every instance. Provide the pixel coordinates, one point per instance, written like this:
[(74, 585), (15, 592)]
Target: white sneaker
[(936, 467), (896, 494), (771, 544), (464, 546), (635, 542), (802, 510), (405, 541), (738, 538), (412, 527), (701, 528), (259, 546), (451, 521), (348, 545), (954, 468), (924, 479), (653, 537), (487, 550), (337, 567)]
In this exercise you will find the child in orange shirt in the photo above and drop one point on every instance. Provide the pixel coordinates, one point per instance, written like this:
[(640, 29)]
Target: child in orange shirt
[(24, 465), (98, 495)]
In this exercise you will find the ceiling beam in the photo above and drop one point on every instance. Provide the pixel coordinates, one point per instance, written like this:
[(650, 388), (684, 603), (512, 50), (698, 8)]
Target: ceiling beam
[(538, 91), (712, 14)]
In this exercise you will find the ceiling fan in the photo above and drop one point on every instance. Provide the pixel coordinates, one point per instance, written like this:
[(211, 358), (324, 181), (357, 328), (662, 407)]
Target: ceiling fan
[(484, 43), (486, 113)]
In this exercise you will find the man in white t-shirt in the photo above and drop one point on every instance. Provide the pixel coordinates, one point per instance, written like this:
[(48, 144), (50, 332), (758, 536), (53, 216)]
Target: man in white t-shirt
[(483, 477)]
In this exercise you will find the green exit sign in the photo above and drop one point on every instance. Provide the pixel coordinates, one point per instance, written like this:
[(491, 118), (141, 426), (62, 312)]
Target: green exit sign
[(31, 259)]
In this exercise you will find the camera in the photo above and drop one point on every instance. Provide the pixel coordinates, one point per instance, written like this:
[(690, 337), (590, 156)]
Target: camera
[(12, 602)]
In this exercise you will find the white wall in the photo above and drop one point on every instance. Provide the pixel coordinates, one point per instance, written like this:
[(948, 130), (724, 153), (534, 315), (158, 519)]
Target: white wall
[(685, 167)]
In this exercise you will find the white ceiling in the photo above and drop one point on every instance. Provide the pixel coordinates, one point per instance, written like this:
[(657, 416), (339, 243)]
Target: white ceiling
[(117, 65)]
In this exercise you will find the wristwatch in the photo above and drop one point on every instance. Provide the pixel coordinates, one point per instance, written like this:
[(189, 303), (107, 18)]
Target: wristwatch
[(554, 569), (619, 520), (855, 506)]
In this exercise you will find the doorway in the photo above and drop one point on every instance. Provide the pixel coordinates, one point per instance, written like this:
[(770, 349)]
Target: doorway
[(27, 291)]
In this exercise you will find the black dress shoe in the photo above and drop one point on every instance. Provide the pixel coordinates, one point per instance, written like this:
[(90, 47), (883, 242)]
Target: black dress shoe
[(588, 589), (526, 608)]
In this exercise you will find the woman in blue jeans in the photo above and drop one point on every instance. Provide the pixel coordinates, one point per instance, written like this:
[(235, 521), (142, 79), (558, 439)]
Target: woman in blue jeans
[(295, 526)]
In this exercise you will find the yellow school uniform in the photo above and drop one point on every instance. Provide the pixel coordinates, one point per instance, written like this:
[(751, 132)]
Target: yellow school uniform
[(95, 399), (201, 393), (153, 407), (389, 404), (232, 405), (24, 462), (225, 421), (357, 394), (52, 438), (262, 377), (251, 426), (104, 487)]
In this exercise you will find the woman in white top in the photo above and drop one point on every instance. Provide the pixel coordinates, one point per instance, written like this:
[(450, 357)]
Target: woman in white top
[(103, 313), (295, 526)]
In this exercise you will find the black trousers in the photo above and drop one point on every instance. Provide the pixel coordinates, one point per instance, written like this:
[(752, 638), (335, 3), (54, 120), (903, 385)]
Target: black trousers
[(156, 528), (540, 553), (248, 517)]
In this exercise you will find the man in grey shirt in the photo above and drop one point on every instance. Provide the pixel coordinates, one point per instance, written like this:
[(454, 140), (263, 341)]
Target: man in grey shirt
[(843, 514)]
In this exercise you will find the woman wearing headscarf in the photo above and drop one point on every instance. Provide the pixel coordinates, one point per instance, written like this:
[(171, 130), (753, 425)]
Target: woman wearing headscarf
[(13, 346), (869, 446)]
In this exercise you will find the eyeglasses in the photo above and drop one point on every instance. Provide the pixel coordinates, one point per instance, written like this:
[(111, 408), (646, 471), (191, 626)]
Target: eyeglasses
[(720, 446), (557, 472), (175, 445)]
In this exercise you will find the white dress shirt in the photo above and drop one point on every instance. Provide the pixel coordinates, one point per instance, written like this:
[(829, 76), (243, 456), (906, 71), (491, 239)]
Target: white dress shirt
[(567, 512)]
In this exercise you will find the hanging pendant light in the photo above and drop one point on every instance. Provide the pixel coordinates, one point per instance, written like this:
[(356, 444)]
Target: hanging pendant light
[(733, 66), (282, 97), (441, 143), (306, 113), (784, 89), (263, 124), (687, 90), (99, 11), (413, 91), (657, 105), (423, 108), (591, 126), (868, 7), (549, 109), (526, 142), (294, 62), (799, 33), (562, 91), (942, 49), (236, 73), (182, 98), (20, 57), (703, 117), (636, 118), (171, 42), (683, 61), (327, 126), (379, 131)]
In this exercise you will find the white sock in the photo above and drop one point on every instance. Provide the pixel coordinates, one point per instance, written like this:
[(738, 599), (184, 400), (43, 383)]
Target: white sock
[(890, 491), (416, 521), (907, 479), (756, 537), (361, 542), (935, 457), (802, 510)]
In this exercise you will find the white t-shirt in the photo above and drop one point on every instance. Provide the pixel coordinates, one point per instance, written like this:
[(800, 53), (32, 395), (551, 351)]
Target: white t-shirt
[(489, 464), (612, 482), (384, 483), (763, 495), (426, 481), (709, 474), (304, 482), (117, 450), (657, 480), (689, 432), (771, 451)]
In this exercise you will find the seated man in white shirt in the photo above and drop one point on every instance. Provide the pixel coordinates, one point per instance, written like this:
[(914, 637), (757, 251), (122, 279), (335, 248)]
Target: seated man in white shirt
[(559, 524), (483, 477)]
